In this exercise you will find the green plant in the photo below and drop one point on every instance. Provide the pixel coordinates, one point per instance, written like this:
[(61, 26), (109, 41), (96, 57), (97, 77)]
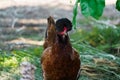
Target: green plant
[(106, 38), (10, 61), (96, 64), (118, 5), (92, 8)]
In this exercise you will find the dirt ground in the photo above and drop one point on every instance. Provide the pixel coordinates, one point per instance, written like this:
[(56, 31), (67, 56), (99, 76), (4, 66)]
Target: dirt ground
[(24, 21)]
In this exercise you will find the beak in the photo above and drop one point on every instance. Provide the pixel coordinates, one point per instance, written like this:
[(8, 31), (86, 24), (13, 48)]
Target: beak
[(64, 34)]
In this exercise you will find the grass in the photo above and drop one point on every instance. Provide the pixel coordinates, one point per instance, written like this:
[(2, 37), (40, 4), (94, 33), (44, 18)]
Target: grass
[(96, 63), (11, 61)]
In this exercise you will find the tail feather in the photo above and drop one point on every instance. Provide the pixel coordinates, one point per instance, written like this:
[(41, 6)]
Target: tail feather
[(50, 22)]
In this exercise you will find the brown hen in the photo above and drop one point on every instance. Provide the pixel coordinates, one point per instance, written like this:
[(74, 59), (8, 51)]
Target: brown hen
[(61, 61)]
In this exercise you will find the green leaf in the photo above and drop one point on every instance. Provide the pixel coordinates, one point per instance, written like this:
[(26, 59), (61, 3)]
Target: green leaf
[(118, 5), (75, 14), (92, 8)]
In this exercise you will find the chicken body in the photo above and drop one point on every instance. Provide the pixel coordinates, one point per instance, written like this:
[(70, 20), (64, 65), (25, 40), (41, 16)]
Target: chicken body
[(60, 61)]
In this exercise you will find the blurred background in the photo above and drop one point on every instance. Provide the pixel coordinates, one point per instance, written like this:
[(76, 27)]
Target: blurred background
[(22, 28)]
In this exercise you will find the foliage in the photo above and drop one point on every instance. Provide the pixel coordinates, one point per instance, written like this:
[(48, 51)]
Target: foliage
[(9, 67), (103, 36), (96, 64), (105, 39), (75, 13), (118, 5), (92, 8)]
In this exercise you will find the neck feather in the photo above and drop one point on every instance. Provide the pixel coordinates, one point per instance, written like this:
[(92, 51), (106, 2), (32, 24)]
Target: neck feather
[(63, 39)]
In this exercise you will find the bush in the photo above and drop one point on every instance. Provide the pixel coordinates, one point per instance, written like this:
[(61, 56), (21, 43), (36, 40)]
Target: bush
[(107, 39)]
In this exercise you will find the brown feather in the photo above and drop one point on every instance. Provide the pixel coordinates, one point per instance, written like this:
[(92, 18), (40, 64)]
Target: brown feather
[(50, 33), (60, 62)]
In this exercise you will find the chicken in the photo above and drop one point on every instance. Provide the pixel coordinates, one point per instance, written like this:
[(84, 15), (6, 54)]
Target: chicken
[(50, 33), (60, 61)]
